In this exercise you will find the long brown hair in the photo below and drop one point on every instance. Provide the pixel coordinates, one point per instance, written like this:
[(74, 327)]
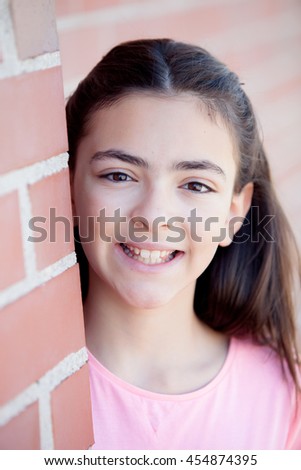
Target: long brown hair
[(247, 288)]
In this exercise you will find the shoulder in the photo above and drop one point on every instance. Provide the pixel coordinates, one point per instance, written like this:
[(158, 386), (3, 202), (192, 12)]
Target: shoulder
[(260, 367), (252, 354), (260, 391)]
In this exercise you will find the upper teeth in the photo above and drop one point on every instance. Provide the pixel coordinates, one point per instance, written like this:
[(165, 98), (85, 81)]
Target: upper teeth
[(149, 254)]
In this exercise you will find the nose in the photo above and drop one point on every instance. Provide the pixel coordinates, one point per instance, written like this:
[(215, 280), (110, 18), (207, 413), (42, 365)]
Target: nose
[(153, 210)]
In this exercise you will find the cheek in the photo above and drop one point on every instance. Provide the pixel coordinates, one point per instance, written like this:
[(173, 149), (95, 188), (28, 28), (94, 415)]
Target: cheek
[(87, 211), (89, 201), (207, 224), (203, 253)]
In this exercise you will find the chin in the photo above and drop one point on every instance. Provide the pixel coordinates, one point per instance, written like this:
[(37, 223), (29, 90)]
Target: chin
[(147, 301)]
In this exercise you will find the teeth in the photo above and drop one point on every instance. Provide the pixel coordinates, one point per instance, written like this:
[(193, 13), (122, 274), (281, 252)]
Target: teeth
[(155, 254), (147, 256), (144, 254)]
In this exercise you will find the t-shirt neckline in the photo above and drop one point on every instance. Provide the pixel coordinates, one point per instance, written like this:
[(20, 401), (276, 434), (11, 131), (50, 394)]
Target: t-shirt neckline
[(120, 383)]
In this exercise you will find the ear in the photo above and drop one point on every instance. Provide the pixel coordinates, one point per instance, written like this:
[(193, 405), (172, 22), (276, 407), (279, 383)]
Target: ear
[(240, 205)]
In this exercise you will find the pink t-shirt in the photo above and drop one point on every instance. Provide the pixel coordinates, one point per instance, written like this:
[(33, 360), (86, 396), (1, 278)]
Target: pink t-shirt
[(248, 405)]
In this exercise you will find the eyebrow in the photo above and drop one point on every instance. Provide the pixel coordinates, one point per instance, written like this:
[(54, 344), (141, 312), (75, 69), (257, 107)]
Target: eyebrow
[(119, 155), (200, 165), (138, 161)]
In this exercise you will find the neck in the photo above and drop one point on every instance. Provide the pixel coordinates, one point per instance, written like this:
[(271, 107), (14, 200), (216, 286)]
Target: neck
[(137, 343)]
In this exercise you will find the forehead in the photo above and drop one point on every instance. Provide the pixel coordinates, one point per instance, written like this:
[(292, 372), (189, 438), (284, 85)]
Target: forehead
[(156, 126)]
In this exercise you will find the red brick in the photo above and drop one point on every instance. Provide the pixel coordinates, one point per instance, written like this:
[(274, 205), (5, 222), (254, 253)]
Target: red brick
[(71, 411), (22, 432), (11, 254), (196, 24), (38, 331), (288, 190), (281, 120), (34, 27), (292, 84), (284, 151), (67, 7), (250, 59), (53, 193), (32, 118)]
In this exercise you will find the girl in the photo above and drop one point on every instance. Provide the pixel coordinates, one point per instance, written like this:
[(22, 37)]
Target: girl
[(187, 294)]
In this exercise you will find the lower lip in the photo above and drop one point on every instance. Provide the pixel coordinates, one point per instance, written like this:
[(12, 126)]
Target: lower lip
[(140, 266)]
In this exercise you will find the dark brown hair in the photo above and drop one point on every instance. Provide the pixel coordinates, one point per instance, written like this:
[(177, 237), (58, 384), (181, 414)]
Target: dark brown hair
[(247, 288)]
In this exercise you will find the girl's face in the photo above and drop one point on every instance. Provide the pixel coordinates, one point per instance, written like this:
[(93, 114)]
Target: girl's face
[(153, 189)]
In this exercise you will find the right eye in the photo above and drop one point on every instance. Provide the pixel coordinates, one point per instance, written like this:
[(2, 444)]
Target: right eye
[(117, 177)]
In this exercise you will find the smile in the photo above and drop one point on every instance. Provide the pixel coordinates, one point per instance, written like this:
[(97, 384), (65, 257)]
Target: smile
[(148, 256)]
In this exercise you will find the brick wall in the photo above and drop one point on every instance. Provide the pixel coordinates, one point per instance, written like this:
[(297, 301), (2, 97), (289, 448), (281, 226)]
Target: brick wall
[(259, 39), (44, 395)]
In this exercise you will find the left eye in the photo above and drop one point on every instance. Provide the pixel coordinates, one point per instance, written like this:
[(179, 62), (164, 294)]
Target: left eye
[(197, 187), (117, 176)]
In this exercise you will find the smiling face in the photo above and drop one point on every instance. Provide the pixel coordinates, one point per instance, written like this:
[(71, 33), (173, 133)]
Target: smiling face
[(164, 172)]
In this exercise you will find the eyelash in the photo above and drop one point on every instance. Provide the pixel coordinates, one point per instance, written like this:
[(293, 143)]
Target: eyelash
[(197, 183), (124, 178), (110, 177)]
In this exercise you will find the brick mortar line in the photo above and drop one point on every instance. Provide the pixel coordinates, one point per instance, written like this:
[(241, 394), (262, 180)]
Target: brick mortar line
[(20, 180), (45, 420), (33, 173), (26, 285), (12, 65), (47, 383), (41, 62), (84, 20)]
